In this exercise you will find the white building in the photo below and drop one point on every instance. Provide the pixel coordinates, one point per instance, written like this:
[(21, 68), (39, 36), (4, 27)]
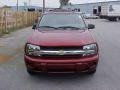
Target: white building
[(93, 8)]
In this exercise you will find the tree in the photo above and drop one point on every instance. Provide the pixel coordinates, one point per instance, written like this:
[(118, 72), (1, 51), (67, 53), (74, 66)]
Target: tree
[(63, 2), (5, 6)]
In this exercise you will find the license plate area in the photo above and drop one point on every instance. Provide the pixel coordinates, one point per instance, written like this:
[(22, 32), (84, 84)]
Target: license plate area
[(61, 66)]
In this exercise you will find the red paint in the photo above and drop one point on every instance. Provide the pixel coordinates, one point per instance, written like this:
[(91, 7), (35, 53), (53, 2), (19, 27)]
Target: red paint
[(61, 38)]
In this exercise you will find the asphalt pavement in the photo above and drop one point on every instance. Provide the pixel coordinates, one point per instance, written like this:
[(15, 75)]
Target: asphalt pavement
[(13, 75)]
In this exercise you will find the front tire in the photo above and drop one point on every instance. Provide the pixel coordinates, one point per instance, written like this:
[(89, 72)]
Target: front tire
[(91, 71), (30, 72)]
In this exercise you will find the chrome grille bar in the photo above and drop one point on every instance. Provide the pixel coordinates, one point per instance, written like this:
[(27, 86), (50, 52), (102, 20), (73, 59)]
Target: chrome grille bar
[(75, 52)]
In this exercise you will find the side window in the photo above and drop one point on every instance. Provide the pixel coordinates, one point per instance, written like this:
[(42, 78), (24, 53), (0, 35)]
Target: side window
[(111, 8)]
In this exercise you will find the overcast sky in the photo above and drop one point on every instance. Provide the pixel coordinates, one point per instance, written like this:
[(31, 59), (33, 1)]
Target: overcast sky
[(49, 3)]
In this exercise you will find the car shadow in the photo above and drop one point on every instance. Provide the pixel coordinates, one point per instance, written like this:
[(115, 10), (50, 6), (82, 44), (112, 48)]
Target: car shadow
[(62, 77)]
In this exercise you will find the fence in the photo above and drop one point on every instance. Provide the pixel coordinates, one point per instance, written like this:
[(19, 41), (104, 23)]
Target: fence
[(10, 20)]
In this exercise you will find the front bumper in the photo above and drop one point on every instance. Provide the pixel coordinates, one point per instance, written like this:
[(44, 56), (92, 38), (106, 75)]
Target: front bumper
[(61, 66)]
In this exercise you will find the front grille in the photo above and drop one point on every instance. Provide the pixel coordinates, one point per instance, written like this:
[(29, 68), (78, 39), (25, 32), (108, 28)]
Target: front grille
[(60, 48)]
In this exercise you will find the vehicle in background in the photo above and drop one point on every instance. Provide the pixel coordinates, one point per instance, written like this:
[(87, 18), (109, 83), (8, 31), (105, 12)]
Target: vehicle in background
[(90, 16), (59, 10), (60, 43), (110, 12)]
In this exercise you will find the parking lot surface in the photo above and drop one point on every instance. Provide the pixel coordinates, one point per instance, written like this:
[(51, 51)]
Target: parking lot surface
[(13, 75)]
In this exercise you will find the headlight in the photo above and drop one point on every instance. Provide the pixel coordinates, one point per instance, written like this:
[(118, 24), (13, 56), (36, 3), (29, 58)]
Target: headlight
[(32, 49), (90, 49)]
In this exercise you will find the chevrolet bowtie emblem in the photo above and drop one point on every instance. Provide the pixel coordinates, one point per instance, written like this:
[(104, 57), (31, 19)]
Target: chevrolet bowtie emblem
[(61, 52)]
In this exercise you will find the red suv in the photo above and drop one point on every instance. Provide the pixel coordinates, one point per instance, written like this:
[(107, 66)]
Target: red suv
[(61, 43)]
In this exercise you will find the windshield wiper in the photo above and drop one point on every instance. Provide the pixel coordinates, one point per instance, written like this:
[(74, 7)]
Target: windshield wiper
[(47, 27), (69, 27)]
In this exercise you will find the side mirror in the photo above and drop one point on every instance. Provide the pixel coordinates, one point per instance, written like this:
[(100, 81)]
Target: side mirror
[(34, 26), (91, 26)]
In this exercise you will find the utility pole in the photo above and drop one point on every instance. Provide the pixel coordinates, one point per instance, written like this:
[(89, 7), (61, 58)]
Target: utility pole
[(29, 2), (17, 5), (43, 6)]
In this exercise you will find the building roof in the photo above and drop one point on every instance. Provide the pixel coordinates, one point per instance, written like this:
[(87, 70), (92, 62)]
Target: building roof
[(96, 2)]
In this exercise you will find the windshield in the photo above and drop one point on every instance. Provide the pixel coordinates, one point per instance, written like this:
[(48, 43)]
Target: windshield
[(70, 20)]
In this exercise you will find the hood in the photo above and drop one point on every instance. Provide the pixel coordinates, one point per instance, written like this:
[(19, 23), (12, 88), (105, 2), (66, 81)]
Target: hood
[(61, 38)]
